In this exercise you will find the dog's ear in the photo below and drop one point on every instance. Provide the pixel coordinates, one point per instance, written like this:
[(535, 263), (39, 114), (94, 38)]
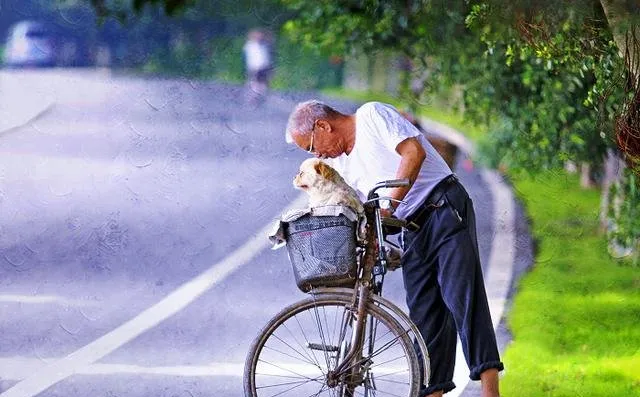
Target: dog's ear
[(324, 170)]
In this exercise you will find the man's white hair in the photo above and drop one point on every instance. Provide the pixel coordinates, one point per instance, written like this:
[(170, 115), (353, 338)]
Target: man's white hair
[(304, 116)]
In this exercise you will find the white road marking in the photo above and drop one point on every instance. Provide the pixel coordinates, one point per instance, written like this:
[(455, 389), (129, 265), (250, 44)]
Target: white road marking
[(53, 372), (45, 299), (19, 368), (211, 370)]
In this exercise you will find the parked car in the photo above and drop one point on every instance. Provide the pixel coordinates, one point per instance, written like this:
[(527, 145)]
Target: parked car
[(30, 44)]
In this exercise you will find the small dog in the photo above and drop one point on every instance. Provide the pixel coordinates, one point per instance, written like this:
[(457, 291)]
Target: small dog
[(325, 186)]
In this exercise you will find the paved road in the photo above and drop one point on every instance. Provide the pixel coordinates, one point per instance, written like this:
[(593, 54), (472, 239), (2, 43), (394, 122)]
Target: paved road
[(132, 251)]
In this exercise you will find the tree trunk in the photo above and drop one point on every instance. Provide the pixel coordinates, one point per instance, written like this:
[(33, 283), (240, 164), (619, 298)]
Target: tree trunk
[(622, 16), (613, 167), (586, 182)]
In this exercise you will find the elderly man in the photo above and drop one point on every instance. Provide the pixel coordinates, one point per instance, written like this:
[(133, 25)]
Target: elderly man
[(441, 267)]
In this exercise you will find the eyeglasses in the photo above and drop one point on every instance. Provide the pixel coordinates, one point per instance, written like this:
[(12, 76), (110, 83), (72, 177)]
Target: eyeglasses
[(313, 133)]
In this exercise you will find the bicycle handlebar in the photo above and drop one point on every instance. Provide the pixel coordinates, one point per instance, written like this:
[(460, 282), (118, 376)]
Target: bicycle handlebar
[(388, 184), (376, 221)]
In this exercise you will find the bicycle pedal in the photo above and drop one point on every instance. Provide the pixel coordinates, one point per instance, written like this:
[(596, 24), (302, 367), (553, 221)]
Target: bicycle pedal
[(321, 347)]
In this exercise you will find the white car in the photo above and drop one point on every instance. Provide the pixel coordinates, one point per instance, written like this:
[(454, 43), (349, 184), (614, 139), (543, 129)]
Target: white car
[(29, 44)]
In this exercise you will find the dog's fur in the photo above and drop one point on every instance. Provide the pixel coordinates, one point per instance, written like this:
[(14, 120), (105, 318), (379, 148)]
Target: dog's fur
[(325, 186)]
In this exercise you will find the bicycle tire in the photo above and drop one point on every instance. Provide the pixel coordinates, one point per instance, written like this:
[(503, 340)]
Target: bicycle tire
[(301, 371)]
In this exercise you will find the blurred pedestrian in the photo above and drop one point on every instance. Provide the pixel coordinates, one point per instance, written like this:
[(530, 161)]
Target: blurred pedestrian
[(258, 58)]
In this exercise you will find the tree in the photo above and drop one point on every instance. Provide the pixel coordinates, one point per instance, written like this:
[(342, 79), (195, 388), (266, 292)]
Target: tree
[(120, 10), (569, 35), (536, 24), (550, 79), (616, 94), (556, 80)]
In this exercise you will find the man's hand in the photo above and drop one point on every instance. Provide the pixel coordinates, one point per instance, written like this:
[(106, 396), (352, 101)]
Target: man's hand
[(385, 213)]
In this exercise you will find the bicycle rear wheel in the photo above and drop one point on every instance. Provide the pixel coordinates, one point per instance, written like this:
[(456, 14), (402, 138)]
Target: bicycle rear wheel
[(296, 352)]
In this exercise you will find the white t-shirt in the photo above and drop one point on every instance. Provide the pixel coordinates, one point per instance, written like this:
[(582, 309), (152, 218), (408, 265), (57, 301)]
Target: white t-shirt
[(257, 55), (379, 130)]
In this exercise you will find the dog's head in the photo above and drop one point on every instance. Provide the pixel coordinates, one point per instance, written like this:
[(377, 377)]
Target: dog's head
[(314, 174)]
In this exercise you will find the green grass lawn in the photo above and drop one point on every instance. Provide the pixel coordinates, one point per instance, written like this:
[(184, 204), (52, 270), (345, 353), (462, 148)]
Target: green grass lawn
[(575, 319), (576, 316)]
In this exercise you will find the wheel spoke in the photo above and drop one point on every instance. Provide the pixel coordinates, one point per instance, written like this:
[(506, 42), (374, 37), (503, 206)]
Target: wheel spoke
[(311, 351), (397, 382), (309, 338), (312, 357), (286, 384), (322, 336), (386, 346), (388, 361), (304, 359), (286, 370)]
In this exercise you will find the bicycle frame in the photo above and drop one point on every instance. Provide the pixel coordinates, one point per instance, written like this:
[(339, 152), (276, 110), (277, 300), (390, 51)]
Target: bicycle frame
[(373, 263)]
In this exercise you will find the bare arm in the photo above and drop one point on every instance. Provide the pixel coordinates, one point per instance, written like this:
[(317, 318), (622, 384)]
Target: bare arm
[(413, 155)]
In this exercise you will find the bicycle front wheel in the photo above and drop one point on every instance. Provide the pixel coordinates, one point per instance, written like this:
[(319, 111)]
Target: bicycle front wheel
[(298, 350)]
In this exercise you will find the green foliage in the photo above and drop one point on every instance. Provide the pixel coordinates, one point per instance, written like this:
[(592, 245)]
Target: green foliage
[(304, 68), (121, 9), (413, 28), (429, 36), (574, 320), (555, 98), (544, 74), (221, 58), (556, 85), (224, 62), (204, 39)]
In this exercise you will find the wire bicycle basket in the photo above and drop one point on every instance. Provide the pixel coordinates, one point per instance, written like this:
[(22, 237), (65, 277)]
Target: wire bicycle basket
[(322, 251)]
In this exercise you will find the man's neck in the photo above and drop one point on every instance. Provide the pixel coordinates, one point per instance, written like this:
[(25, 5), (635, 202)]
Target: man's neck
[(349, 128)]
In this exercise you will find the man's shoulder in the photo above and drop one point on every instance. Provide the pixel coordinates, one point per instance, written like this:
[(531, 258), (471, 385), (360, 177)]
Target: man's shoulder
[(375, 105), (375, 108)]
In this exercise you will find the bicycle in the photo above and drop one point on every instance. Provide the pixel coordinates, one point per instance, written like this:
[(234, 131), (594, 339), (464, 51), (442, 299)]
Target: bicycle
[(341, 340)]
